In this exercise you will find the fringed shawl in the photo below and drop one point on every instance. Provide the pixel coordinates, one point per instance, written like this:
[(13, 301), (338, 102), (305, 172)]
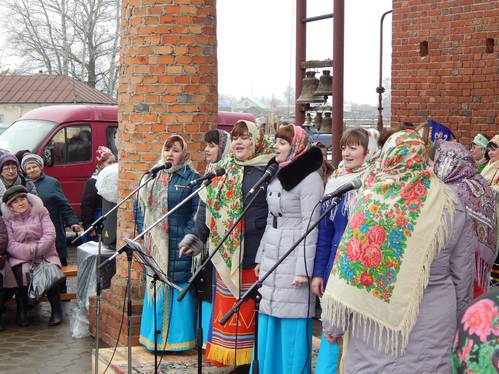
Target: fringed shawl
[(153, 203), (454, 165), (224, 204), (383, 261)]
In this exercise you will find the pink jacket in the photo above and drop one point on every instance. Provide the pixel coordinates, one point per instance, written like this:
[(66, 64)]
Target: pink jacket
[(28, 230)]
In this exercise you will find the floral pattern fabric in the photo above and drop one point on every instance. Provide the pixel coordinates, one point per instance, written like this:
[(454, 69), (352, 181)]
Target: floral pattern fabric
[(224, 202), (475, 349), (371, 251)]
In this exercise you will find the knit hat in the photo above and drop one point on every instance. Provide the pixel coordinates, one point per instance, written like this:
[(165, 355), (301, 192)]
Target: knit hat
[(8, 158), (14, 192), (480, 140), (494, 141), (102, 154), (31, 157)]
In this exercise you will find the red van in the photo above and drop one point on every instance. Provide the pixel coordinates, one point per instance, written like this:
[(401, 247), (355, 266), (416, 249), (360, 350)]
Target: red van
[(67, 136)]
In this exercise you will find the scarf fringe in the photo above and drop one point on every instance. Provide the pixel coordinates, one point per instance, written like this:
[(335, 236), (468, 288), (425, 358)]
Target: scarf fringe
[(482, 272), (373, 332)]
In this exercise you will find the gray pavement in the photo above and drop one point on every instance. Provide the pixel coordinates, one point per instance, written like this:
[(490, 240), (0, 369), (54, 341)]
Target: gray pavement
[(39, 349)]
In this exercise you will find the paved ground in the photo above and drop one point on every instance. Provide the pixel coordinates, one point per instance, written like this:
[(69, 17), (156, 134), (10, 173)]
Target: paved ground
[(39, 349)]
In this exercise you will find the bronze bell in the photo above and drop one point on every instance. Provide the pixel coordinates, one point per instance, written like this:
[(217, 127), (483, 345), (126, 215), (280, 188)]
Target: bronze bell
[(309, 85), (318, 120), (327, 124), (308, 120), (325, 87)]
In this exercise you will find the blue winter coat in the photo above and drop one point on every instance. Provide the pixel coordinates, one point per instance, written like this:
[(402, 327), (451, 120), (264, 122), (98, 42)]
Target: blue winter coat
[(180, 223), (61, 213), (330, 233)]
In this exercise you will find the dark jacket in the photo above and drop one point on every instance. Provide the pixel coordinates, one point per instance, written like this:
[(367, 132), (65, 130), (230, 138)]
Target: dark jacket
[(180, 223), (330, 234), (91, 203), (255, 219), (61, 213)]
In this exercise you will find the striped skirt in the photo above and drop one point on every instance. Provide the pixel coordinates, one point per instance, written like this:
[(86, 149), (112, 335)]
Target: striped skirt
[(232, 343)]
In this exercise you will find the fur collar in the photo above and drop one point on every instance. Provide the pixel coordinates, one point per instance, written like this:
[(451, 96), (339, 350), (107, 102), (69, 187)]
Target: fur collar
[(291, 175)]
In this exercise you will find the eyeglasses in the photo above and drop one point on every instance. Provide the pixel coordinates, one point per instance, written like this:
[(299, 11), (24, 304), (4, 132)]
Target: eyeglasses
[(9, 168)]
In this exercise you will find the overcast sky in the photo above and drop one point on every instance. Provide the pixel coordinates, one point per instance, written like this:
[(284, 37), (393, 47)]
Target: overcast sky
[(256, 45)]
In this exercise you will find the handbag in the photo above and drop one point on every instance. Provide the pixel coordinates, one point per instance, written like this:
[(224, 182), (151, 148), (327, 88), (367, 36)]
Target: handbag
[(42, 277)]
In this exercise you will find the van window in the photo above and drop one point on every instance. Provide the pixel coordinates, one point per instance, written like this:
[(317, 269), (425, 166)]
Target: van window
[(72, 144), (112, 139)]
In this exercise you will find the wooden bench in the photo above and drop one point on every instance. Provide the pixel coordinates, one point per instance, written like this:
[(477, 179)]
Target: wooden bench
[(69, 271)]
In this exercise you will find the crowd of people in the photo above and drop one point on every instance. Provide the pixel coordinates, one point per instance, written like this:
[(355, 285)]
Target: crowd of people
[(403, 266), (395, 264), (34, 216)]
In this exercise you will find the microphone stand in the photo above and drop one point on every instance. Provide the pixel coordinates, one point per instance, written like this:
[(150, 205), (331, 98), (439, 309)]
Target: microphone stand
[(157, 275), (253, 291), (198, 280), (98, 226), (128, 249)]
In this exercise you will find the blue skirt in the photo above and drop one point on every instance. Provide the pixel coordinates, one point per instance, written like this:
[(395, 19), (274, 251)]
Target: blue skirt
[(175, 320), (284, 345), (207, 309), (327, 359)]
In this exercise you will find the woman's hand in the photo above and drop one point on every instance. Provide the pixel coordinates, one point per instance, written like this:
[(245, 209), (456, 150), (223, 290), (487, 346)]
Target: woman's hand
[(331, 339), (257, 271), (185, 251), (318, 286), (299, 281)]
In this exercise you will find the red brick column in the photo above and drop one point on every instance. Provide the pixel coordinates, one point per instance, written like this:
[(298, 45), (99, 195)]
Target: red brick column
[(168, 84), (457, 82)]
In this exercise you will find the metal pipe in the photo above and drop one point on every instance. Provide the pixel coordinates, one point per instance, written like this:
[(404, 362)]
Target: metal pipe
[(301, 55), (380, 89), (338, 54), (317, 18)]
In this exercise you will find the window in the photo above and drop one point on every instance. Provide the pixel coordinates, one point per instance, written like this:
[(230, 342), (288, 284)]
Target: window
[(72, 144), (112, 139)]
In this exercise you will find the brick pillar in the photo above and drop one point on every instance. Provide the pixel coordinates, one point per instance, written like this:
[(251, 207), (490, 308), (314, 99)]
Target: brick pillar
[(456, 83), (168, 84)]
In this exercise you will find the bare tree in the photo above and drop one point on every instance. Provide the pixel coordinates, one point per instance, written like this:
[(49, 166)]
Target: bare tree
[(70, 37)]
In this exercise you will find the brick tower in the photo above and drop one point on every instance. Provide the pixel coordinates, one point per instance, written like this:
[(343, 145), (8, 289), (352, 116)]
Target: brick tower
[(168, 84)]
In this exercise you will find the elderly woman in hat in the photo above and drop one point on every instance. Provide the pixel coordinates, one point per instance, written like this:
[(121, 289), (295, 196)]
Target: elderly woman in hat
[(49, 190), (10, 175), (91, 201), (31, 237)]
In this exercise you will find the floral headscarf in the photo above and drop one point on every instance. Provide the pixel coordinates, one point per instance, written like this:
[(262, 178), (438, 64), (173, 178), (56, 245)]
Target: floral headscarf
[(101, 155), (224, 201), (477, 338), (454, 165), (383, 261), (299, 145)]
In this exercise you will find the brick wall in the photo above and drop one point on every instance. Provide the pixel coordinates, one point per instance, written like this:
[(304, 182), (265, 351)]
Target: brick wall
[(457, 82), (168, 84)]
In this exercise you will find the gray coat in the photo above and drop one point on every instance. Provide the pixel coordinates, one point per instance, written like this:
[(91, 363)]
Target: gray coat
[(289, 214), (449, 292)]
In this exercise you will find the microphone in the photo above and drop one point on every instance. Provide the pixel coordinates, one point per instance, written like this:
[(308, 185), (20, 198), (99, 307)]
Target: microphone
[(156, 169), (344, 188), (209, 176), (267, 176)]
